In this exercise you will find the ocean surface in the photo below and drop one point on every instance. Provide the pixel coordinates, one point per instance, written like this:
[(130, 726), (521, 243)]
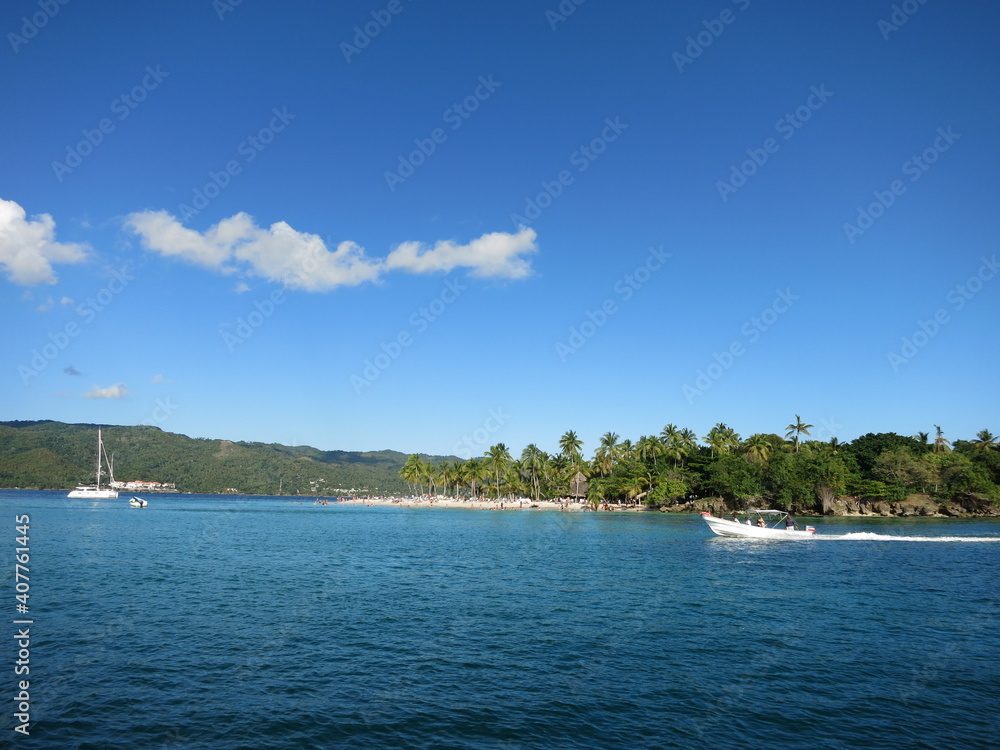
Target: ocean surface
[(237, 622)]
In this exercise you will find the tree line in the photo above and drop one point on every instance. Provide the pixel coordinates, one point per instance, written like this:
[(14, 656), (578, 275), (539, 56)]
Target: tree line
[(789, 471)]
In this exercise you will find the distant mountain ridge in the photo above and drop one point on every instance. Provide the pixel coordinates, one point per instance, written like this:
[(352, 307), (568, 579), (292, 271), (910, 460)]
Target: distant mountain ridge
[(46, 454)]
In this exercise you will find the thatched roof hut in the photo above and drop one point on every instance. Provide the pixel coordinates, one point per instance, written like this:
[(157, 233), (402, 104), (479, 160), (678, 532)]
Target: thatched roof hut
[(578, 485)]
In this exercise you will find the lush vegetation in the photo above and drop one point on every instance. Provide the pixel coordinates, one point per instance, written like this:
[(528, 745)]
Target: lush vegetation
[(790, 472), (54, 455)]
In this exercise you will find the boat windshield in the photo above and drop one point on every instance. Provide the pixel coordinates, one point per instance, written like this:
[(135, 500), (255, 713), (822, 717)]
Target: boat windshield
[(769, 516)]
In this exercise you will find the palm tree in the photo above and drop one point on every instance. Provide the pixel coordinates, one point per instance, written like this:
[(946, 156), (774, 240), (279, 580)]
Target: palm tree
[(732, 438), (451, 474), (758, 448), (687, 442), (607, 453), (533, 461), (677, 444), (556, 474), (570, 445), (516, 479), (634, 489), (473, 471), (713, 438), (922, 437), (625, 449), (463, 474), (797, 429), (441, 476), (987, 441), (940, 444), (649, 479), (649, 448), (427, 472), (411, 471), (499, 458), (721, 439), (672, 449)]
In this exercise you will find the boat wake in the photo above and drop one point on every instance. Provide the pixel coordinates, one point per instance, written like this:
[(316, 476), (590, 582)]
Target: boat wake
[(866, 536)]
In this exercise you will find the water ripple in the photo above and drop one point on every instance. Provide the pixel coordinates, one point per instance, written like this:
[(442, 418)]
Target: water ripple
[(234, 623)]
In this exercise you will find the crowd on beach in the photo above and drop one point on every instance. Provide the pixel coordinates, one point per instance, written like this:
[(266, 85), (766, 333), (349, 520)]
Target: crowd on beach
[(481, 503)]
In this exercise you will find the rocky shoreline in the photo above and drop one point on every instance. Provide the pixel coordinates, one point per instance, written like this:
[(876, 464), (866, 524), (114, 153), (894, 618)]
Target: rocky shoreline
[(914, 506)]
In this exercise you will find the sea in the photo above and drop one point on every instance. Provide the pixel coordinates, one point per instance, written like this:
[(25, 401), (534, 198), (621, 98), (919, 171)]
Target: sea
[(229, 622)]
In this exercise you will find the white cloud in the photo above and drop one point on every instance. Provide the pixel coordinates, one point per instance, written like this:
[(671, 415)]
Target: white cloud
[(118, 390), (28, 248), (297, 259), (301, 260), (496, 255), (163, 233)]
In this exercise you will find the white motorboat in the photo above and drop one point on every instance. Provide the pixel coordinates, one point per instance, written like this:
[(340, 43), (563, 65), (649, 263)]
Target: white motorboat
[(96, 493), (759, 524), (138, 502)]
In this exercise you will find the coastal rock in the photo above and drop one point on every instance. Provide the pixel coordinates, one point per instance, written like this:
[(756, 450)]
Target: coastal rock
[(914, 506), (714, 505)]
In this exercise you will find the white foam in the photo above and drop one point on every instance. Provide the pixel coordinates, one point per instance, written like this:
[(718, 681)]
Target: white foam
[(863, 536)]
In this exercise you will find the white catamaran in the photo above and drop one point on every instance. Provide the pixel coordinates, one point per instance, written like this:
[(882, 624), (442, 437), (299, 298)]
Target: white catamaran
[(96, 493)]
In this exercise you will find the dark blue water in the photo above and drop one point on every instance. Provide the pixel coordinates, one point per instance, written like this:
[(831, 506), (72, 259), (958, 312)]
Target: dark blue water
[(219, 622)]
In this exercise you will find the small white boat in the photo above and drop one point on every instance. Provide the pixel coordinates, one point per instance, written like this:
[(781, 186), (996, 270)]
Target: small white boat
[(759, 524), (96, 493), (137, 502)]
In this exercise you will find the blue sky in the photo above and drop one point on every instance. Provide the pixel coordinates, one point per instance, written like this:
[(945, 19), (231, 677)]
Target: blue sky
[(437, 226)]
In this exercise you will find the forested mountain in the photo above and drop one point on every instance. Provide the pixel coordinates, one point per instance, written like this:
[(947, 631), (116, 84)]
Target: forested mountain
[(55, 455)]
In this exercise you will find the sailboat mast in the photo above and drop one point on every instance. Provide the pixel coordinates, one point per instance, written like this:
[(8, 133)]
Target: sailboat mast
[(98, 458)]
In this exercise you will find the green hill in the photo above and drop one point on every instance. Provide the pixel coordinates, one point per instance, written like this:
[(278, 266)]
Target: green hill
[(56, 455)]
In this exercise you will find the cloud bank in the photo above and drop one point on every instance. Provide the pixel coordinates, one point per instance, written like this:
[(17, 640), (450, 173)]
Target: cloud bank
[(300, 260), (28, 247)]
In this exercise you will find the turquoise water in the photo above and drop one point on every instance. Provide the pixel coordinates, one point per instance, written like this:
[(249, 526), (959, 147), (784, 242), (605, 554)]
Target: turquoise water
[(226, 622)]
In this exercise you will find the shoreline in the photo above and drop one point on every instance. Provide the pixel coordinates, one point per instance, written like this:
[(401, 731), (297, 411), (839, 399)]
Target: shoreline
[(904, 510), (481, 503), (914, 507), (526, 504)]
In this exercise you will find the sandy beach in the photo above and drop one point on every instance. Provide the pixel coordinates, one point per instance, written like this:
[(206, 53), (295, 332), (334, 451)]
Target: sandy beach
[(482, 503)]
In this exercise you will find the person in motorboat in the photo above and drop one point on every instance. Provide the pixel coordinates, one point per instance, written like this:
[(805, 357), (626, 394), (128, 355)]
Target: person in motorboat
[(760, 522), (735, 519), (790, 524)]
